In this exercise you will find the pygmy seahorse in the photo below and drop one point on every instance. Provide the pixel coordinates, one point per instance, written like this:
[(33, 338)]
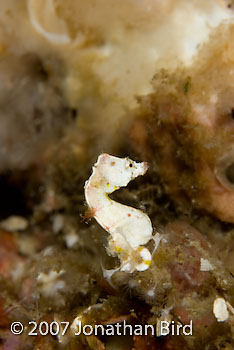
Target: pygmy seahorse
[(129, 228)]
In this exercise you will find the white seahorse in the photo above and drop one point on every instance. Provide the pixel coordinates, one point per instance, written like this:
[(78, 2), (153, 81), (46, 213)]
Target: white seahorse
[(129, 228)]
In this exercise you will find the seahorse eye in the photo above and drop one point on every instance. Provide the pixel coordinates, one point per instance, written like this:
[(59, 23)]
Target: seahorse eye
[(129, 163)]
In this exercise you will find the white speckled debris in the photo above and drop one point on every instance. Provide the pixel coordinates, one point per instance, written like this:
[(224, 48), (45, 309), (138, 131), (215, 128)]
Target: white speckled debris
[(220, 310), (129, 228), (49, 284), (205, 265), (71, 238), (14, 223)]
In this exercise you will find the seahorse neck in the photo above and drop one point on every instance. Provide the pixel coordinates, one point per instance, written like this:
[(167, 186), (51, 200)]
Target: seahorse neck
[(97, 196)]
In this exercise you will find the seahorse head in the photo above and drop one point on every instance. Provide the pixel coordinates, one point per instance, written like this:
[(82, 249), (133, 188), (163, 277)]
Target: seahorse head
[(119, 172)]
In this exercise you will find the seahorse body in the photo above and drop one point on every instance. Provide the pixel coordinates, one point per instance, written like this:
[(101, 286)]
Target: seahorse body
[(129, 228)]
